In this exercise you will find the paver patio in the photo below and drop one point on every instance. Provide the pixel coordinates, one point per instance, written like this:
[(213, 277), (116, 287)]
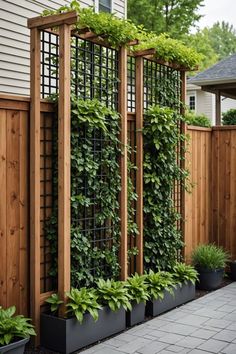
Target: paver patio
[(205, 325)]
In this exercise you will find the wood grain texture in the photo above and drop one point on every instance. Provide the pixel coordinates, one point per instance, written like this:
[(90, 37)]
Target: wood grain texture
[(41, 22), (123, 162), (35, 180), (64, 165), (3, 210), (198, 204)]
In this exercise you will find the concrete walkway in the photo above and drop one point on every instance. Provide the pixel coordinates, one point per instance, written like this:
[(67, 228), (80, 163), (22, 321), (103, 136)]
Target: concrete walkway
[(205, 325)]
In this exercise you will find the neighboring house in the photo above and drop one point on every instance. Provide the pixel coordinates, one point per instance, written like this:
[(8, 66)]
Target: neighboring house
[(15, 37), (202, 102), (215, 92)]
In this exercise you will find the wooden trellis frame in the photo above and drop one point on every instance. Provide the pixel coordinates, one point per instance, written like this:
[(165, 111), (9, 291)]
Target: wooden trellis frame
[(64, 22)]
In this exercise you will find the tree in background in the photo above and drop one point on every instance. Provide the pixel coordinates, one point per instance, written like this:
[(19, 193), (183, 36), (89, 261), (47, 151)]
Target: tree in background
[(222, 37), (174, 17)]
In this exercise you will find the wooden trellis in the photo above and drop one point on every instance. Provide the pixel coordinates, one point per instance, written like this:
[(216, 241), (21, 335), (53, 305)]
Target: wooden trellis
[(63, 22)]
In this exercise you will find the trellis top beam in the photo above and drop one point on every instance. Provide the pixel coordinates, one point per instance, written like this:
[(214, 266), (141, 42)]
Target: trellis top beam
[(152, 55), (41, 22)]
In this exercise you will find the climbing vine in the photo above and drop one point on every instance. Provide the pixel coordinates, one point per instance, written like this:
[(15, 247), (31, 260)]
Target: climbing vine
[(161, 140), (121, 31), (95, 185)]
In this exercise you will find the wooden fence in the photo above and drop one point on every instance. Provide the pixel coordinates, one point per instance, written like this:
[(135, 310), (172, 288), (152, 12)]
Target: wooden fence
[(14, 200), (211, 205)]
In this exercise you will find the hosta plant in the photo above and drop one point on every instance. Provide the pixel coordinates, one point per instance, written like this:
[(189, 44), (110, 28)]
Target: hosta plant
[(114, 294), (13, 327), (183, 273), (158, 282), (82, 301), (54, 302), (137, 288)]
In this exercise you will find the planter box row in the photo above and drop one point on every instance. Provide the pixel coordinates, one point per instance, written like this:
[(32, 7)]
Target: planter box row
[(68, 335)]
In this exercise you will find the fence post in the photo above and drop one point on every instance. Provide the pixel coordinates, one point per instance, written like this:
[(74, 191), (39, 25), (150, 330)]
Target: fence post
[(122, 101), (35, 179), (183, 129), (139, 160), (64, 164)]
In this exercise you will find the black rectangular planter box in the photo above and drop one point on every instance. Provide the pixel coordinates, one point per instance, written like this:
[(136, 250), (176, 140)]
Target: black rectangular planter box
[(136, 315), (182, 294), (15, 348), (68, 335)]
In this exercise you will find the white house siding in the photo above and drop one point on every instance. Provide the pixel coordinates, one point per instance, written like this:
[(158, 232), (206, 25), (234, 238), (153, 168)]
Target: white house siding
[(205, 104), (15, 39), (227, 103)]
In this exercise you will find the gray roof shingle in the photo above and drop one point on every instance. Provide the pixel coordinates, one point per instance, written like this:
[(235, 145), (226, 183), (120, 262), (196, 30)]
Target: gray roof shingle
[(222, 72)]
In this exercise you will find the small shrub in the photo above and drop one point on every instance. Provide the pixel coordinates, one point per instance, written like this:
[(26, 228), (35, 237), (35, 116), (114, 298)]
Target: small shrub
[(137, 288), (13, 327), (200, 120), (209, 257), (229, 117)]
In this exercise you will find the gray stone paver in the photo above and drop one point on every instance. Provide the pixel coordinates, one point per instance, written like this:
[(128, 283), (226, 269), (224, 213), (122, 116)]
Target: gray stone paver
[(205, 325)]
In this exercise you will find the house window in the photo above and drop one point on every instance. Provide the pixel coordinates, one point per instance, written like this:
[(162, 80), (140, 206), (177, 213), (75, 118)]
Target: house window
[(192, 103), (104, 6)]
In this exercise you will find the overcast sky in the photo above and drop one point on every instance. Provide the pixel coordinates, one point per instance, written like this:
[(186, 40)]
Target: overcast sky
[(218, 10)]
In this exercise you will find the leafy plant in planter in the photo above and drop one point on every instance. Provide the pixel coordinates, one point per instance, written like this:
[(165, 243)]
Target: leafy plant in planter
[(15, 331), (183, 273), (160, 287), (54, 302), (95, 315), (82, 301), (138, 291), (210, 261), (158, 282), (113, 294)]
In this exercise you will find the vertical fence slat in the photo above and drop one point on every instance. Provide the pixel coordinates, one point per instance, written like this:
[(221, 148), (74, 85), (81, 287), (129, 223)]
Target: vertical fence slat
[(35, 179), (3, 212), (139, 161), (13, 210), (64, 164), (23, 205), (122, 99)]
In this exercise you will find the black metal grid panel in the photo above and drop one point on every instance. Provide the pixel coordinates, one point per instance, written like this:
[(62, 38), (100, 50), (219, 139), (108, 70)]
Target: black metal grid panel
[(49, 63), (99, 233), (161, 85), (94, 72), (46, 197), (131, 84)]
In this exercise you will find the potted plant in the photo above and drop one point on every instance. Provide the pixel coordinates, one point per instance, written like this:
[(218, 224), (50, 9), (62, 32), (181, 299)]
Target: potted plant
[(209, 261), (15, 331), (185, 277), (78, 329), (138, 291), (92, 315), (160, 288)]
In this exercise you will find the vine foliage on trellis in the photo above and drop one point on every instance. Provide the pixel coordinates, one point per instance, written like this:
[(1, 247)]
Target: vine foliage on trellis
[(95, 185), (162, 138)]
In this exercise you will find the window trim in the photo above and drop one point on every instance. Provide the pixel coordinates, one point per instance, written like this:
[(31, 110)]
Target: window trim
[(195, 102), (96, 6)]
